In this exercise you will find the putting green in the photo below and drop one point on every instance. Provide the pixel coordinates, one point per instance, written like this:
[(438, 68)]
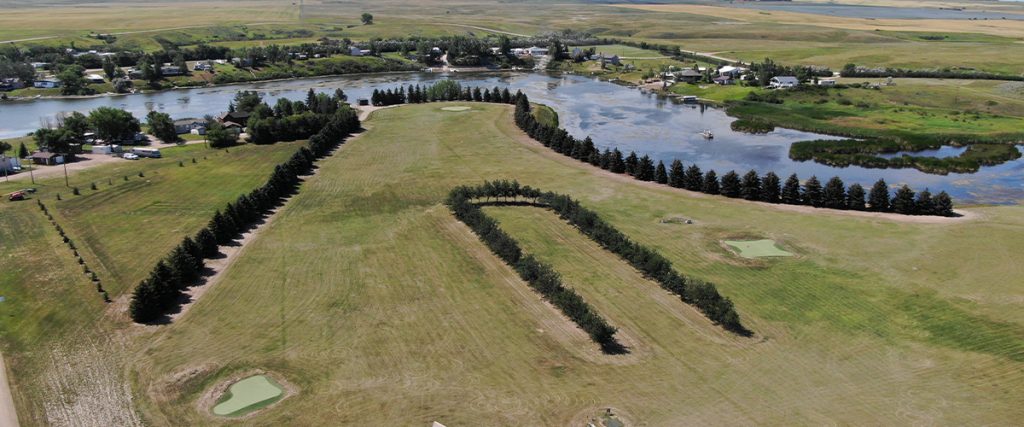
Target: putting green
[(757, 248), (248, 395), (455, 108)]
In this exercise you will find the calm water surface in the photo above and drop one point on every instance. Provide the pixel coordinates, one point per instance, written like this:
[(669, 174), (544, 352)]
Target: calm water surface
[(614, 116)]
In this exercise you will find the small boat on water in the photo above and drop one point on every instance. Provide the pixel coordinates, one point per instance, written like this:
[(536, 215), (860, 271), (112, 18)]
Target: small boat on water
[(707, 134)]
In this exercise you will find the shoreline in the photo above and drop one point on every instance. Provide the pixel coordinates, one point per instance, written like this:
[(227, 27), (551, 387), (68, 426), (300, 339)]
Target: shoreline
[(20, 99)]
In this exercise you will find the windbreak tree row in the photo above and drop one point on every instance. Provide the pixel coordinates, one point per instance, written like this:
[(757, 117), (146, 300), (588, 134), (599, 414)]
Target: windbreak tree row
[(541, 277), (162, 290), (444, 90), (702, 295), (751, 186)]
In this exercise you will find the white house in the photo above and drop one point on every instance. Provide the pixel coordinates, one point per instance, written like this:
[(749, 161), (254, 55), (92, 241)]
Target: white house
[(827, 82), (537, 51), (731, 71), (355, 51), (9, 164), (783, 82), (94, 78)]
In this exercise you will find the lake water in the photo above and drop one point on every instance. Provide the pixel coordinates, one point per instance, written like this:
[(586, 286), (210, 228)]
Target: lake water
[(882, 12), (941, 153), (613, 115)]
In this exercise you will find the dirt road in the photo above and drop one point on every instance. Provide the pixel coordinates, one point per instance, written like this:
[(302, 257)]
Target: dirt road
[(8, 415)]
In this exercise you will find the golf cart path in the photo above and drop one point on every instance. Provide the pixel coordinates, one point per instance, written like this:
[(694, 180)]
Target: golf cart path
[(8, 413)]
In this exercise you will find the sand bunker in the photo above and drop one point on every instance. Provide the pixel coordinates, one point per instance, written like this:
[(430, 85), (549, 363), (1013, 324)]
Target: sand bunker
[(248, 395), (757, 248), (455, 108)]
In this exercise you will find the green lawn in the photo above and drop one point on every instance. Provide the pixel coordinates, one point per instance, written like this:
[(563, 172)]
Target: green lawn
[(366, 291)]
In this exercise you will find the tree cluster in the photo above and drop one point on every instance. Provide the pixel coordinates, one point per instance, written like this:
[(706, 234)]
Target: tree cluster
[(852, 70), (183, 266), (750, 186), (541, 277), (292, 120), (444, 90)]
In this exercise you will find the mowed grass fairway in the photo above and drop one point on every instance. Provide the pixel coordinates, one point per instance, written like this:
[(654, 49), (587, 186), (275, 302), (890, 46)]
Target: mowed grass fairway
[(382, 309)]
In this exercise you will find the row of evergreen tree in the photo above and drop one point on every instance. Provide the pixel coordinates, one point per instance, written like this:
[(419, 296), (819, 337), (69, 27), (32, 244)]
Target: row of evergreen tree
[(183, 266), (751, 186), (540, 276), (652, 264), (74, 251), (444, 90)]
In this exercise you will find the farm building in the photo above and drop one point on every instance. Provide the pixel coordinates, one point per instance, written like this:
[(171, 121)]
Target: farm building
[(783, 82), (46, 158)]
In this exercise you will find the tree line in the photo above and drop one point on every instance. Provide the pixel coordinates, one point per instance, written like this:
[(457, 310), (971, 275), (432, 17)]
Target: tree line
[(704, 296), (852, 70), (751, 186), (292, 120), (541, 277), (444, 90), (183, 267)]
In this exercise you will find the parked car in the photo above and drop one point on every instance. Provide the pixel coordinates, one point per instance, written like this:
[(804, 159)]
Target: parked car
[(17, 195), (28, 190), (130, 156)]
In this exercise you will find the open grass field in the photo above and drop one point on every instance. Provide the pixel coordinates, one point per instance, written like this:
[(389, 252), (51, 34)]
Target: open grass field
[(365, 292), (59, 339), (745, 34)]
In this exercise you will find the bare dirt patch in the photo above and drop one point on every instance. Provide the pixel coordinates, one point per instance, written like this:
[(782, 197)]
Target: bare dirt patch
[(8, 413)]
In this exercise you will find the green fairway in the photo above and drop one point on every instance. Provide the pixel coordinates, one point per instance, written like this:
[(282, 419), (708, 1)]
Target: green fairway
[(757, 248), (248, 395)]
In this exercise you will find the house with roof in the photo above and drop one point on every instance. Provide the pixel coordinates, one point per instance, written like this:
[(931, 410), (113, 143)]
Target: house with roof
[(689, 76), (355, 51), (46, 83), (94, 78), (11, 84), (171, 70), (724, 80), (183, 126), (731, 71), (783, 82), (240, 118)]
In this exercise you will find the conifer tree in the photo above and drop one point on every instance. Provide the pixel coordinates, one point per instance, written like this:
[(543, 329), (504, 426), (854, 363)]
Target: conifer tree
[(751, 186), (770, 188), (694, 180), (731, 185), (617, 165), (943, 204), (903, 201), (812, 192), (791, 191), (710, 183), (924, 205), (676, 174), (645, 169), (855, 198), (834, 194), (660, 174), (631, 163), (878, 198)]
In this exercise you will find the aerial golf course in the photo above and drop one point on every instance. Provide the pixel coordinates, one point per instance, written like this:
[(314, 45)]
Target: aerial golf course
[(377, 307)]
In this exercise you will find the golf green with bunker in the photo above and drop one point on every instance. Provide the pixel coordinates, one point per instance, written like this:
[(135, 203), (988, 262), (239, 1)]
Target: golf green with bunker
[(757, 248), (248, 395)]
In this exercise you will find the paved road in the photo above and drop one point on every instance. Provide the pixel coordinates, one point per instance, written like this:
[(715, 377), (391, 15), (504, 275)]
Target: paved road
[(8, 415)]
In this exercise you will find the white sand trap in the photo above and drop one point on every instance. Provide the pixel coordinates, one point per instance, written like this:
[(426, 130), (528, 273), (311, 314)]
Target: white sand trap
[(757, 248), (455, 108)]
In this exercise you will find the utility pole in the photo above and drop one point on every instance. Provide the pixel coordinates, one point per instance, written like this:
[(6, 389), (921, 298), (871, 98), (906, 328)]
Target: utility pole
[(30, 174), (65, 163)]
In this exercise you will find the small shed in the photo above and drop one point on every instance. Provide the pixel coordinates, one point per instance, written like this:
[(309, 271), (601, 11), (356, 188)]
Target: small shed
[(46, 158)]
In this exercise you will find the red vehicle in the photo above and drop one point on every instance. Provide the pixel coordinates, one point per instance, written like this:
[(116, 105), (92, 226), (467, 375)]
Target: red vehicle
[(17, 195)]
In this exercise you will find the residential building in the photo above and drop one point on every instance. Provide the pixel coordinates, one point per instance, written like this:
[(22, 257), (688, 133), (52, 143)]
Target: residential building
[(783, 82), (47, 83), (188, 125)]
